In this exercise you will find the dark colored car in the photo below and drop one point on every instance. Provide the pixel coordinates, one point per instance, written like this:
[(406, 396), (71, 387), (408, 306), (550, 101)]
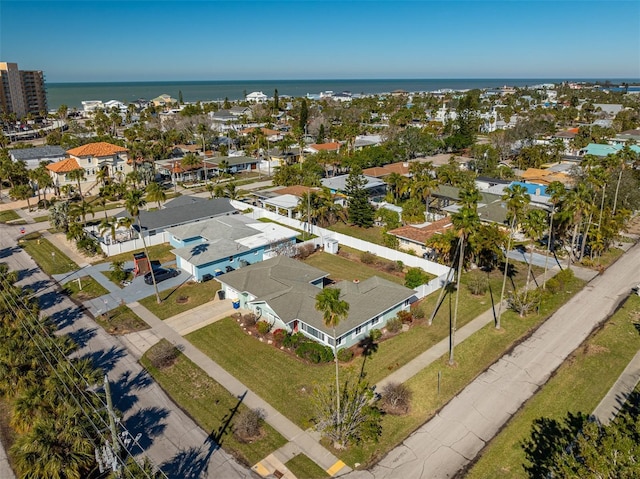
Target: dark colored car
[(206, 277), (229, 269), (161, 274)]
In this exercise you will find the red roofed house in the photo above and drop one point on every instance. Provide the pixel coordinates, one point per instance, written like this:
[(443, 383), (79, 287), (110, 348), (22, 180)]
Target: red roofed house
[(92, 157), (414, 237), (317, 147)]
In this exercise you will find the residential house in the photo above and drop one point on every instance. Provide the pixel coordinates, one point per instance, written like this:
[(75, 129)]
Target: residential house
[(178, 211), (604, 150), (92, 157), (333, 146), (401, 168), (227, 243), (164, 100), (90, 106), (32, 157), (338, 185), (282, 291), (283, 201), (256, 97), (414, 237)]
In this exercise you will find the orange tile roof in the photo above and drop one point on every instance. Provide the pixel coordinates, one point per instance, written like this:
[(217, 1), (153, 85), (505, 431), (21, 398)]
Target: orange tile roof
[(421, 235), (101, 148), (399, 167), (326, 146), (265, 131), (297, 190), (64, 166), (376, 171)]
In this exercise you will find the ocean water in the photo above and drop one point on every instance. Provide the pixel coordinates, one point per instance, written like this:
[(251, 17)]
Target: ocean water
[(72, 94)]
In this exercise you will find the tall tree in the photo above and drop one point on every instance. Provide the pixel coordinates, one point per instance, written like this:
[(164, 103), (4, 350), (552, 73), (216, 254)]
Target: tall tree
[(78, 175), (333, 310), (156, 193), (361, 212), (134, 200)]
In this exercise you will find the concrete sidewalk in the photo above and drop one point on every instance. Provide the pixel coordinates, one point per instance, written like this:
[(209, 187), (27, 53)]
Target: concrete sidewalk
[(619, 392), (303, 439)]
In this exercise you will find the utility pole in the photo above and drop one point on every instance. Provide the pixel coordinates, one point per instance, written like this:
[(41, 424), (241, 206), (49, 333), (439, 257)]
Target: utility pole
[(115, 444)]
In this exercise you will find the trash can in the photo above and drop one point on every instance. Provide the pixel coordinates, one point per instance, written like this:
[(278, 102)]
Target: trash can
[(236, 304), (221, 294)]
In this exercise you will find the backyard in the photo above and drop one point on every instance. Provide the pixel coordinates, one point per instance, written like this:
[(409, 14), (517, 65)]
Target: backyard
[(340, 268)]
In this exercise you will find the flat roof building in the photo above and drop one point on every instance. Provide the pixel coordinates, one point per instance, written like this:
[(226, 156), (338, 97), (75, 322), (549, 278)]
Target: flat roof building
[(21, 91)]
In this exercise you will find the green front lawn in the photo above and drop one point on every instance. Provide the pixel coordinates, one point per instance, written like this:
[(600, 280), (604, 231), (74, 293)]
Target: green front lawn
[(160, 252), (87, 288), (304, 468), (121, 321), (50, 259), (578, 386), (8, 215), (41, 219), (209, 404), (340, 268), (173, 299), (372, 235), (472, 357)]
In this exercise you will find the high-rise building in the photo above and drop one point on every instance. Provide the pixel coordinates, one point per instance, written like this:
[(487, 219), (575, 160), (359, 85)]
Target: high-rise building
[(21, 91)]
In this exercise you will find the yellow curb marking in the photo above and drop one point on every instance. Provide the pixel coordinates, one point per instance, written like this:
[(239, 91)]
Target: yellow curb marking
[(260, 469), (335, 468)]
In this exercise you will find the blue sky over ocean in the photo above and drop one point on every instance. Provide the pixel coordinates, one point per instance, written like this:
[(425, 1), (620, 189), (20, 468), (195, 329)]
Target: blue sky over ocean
[(85, 41)]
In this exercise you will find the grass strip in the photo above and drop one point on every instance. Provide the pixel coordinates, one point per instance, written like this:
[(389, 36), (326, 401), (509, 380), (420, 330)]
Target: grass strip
[(121, 320), (304, 468), (577, 386), (50, 259), (85, 289), (209, 404), (8, 215)]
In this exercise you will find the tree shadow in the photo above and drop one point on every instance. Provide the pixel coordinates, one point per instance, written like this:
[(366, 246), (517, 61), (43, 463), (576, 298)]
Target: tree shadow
[(40, 285), (637, 326), (6, 252), (148, 422), (67, 316), (50, 299), (26, 273), (549, 437), (449, 289), (193, 463), (82, 336), (368, 347), (123, 387), (199, 249), (105, 360)]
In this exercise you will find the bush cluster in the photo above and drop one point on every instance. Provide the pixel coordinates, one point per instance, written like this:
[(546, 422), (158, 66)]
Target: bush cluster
[(394, 325), (279, 336), (249, 424), (477, 282), (292, 341), (367, 258), (263, 327), (415, 277), (396, 398), (163, 354), (314, 352), (345, 355), (305, 250)]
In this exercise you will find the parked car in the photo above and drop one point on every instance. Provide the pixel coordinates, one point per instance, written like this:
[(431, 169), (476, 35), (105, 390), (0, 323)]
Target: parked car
[(161, 274)]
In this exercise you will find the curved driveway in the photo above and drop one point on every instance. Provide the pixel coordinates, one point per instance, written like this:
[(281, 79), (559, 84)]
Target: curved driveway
[(450, 441)]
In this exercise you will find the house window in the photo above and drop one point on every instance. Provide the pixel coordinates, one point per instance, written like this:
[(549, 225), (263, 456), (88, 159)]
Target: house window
[(312, 331), (230, 258), (358, 330), (89, 161), (339, 341), (375, 320)]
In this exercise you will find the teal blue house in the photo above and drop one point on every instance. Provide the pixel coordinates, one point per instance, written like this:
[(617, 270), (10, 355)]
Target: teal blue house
[(226, 243), (282, 291), (597, 149)]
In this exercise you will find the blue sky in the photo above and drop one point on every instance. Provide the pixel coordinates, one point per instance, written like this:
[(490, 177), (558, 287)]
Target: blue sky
[(262, 40)]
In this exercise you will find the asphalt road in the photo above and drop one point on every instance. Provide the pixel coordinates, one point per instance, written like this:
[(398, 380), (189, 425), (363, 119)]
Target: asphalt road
[(168, 436), (442, 447)]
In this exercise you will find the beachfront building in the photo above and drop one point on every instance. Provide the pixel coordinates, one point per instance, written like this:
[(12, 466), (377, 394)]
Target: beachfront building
[(256, 97), (22, 92), (282, 291)]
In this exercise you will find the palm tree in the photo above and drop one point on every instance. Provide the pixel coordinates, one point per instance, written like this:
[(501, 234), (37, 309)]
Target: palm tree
[(202, 130), (22, 192), (333, 310), (190, 162), (110, 226), (81, 210), (517, 199), (423, 183), (534, 224), (156, 193), (77, 175), (134, 200), (465, 222)]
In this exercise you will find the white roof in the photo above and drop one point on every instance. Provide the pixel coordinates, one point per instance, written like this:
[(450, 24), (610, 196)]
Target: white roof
[(269, 233), (283, 201)]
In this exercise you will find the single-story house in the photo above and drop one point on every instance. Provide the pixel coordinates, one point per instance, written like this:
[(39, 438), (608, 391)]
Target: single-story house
[(34, 156), (282, 291), (318, 147), (338, 184), (400, 167), (604, 150), (414, 237), (212, 246), (237, 163)]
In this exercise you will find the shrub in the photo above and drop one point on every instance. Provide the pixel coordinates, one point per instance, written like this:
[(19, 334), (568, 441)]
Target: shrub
[(415, 277), (367, 258), (393, 266), (345, 355), (394, 325), (405, 317), (249, 319), (292, 341), (118, 273), (314, 352), (477, 282), (163, 354), (396, 398), (375, 334), (305, 250), (248, 426), (524, 302), (279, 336), (263, 327)]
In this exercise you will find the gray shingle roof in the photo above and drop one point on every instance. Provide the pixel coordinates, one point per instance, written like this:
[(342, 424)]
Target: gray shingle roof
[(284, 284), (184, 209), (38, 153)]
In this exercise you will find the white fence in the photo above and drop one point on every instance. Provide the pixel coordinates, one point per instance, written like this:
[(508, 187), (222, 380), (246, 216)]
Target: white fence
[(132, 245), (431, 267)]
